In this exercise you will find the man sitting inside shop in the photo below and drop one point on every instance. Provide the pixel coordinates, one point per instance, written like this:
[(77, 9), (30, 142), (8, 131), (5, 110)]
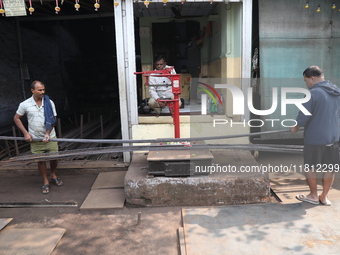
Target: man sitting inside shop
[(160, 88)]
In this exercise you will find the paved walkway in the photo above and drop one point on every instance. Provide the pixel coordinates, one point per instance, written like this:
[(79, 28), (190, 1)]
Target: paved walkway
[(291, 227), (298, 228)]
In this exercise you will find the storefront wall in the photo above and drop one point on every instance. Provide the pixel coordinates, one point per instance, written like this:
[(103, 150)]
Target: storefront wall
[(292, 38), (226, 53)]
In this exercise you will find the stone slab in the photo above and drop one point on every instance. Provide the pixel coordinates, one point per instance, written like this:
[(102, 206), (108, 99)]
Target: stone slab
[(4, 222), (177, 163), (263, 229), (104, 199), (214, 189), (29, 241), (179, 155), (287, 191), (289, 196), (177, 168), (109, 180), (288, 185)]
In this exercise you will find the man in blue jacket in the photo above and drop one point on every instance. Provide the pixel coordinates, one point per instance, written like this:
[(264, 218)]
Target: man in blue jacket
[(321, 134)]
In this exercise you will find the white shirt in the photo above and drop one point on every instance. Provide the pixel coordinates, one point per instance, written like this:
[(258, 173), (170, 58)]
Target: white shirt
[(36, 117), (160, 87)]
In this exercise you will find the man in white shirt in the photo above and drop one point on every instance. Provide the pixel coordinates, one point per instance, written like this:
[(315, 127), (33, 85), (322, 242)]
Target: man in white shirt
[(160, 88), (35, 108)]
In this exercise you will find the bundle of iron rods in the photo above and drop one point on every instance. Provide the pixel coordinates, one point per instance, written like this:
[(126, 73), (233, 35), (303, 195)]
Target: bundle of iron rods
[(113, 141), (106, 150), (157, 144)]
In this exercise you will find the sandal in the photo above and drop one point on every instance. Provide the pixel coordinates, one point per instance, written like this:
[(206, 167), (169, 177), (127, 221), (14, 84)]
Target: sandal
[(326, 202), (57, 182), (45, 189), (304, 198)]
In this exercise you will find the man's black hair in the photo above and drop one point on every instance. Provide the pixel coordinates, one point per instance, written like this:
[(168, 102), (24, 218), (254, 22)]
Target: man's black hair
[(313, 71), (159, 57), (35, 82)]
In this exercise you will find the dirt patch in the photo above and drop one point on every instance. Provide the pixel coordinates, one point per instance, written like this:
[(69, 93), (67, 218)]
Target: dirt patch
[(95, 231)]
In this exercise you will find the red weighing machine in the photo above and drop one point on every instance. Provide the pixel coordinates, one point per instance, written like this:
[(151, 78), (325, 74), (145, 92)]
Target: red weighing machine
[(173, 104)]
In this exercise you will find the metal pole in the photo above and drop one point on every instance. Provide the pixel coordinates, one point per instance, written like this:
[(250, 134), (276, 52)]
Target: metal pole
[(247, 10), (15, 142), (101, 127), (59, 128), (75, 119), (177, 123), (122, 62), (81, 125), (176, 90), (21, 57), (8, 149)]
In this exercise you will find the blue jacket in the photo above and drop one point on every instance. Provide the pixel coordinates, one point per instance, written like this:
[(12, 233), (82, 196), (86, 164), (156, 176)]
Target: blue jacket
[(323, 126)]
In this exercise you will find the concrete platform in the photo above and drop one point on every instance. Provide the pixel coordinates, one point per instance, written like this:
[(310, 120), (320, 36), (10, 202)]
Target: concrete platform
[(218, 188)]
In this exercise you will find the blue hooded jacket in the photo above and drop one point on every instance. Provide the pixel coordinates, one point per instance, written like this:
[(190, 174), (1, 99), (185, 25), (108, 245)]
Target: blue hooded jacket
[(323, 126)]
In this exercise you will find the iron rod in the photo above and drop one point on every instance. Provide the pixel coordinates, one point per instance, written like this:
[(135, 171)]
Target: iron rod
[(163, 140), (30, 205), (106, 150)]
